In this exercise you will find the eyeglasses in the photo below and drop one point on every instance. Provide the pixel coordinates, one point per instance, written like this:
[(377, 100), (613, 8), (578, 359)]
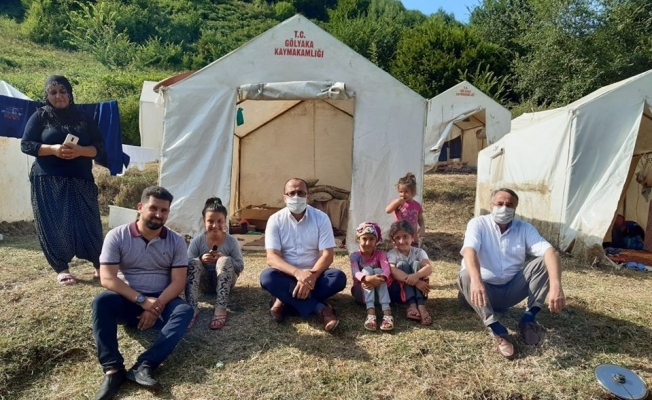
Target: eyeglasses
[(299, 193)]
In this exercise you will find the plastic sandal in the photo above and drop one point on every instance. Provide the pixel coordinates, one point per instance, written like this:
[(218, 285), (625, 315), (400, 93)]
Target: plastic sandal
[(217, 322), (66, 279), (387, 324), (413, 314), (426, 319), (370, 323), (192, 321)]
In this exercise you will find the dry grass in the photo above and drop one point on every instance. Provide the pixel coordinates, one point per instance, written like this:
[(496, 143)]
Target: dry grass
[(123, 191), (47, 350)]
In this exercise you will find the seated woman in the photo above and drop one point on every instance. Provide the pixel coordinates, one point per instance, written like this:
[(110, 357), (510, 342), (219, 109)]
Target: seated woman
[(215, 263), (410, 269)]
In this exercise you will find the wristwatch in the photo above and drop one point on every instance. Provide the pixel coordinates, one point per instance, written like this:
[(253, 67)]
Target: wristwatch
[(140, 299)]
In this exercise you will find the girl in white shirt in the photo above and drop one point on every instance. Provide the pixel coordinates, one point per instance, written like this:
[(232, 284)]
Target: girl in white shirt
[(410, 269)]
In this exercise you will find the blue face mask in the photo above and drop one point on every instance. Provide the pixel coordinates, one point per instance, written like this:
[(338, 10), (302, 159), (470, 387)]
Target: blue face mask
[(502, 215)]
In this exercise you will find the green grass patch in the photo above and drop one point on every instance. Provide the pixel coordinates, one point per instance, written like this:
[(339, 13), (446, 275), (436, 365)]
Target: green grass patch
[(25, 65)]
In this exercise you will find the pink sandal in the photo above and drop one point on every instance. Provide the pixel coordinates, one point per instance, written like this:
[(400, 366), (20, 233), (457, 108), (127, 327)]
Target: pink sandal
[(217, 322), (370, 323), (192, 321), (426, 319), (387, 324), (413, 314)]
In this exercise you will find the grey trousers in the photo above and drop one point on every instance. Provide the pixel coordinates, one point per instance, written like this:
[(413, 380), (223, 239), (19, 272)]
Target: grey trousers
[(531, 282)]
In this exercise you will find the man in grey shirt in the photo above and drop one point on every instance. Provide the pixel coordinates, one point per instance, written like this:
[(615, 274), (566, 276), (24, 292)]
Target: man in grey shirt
[(143, 266)]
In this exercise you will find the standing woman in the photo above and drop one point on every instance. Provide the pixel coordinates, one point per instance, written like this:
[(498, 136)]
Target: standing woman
[(64, 194), (215, 262)]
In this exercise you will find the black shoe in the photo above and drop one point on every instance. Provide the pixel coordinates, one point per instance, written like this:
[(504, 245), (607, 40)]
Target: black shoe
[(144, 376), (110, 385)]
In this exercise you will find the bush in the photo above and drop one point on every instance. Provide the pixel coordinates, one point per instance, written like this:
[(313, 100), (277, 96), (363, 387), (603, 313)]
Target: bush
[(129, 111), (46, 21), (155, 52), (13, 9), (95, 29), (123, 191), (284, 10)]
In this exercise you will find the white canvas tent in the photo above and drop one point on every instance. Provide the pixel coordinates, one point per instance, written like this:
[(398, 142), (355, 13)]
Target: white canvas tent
[(362, 133), (15, 204), (573, 167), (10, 91), (463, 112), (150, 117)]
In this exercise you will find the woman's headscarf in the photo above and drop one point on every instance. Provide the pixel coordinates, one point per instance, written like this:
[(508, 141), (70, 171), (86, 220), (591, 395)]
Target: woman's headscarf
[(57, 80), (368, 227), (64, 115)]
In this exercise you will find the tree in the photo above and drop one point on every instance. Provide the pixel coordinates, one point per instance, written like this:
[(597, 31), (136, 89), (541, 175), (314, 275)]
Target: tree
[(94, 29), (46, 21), (429, 58), (372, 28), (564, 49), (317, 9), (487, 82), (503, 22), (284, 10)]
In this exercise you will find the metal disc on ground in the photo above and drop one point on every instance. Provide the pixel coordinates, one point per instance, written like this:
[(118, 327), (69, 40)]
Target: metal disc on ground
[(621, 382)]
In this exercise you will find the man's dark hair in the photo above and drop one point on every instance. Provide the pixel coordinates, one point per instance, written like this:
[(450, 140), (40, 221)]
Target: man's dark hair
[(506, 190), (296, 179), (157, 192)]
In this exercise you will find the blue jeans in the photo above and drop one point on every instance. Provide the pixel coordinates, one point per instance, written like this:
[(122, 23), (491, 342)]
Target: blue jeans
[(280, 285), (412, 294), (111, 309)]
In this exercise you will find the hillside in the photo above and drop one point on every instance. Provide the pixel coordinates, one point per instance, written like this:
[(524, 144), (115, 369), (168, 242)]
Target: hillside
[(25, 65)]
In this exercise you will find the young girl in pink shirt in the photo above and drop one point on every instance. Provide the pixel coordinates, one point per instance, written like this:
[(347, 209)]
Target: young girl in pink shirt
[(371, 276), (405, 208)]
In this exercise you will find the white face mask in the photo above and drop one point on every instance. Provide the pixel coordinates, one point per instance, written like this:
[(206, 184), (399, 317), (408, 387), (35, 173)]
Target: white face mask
[(502, 215), (296, 204)]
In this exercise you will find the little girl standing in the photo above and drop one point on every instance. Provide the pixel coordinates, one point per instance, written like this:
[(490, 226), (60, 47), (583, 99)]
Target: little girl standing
[(411, 269), (405, 208), (370, 271)]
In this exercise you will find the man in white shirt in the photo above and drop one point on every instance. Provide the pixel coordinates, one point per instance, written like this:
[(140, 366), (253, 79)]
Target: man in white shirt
[(300, 244), (494, 275)]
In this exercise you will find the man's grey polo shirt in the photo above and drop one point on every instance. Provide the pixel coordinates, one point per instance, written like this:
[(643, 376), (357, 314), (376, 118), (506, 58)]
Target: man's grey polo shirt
[(144, 265)]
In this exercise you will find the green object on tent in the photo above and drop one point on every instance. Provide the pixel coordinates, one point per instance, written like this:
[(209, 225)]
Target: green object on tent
[(239, 117)]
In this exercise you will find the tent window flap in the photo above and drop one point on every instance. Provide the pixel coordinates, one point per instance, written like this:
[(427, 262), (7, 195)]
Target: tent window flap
[(302, 90)]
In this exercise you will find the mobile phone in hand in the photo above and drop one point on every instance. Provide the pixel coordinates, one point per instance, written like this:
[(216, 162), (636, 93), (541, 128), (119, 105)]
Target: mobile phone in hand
[(71, 139), (214, 249)]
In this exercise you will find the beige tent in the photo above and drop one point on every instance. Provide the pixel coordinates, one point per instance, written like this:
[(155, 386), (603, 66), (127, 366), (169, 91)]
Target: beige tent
[(312, 108), (574, 167), (461, 122)]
